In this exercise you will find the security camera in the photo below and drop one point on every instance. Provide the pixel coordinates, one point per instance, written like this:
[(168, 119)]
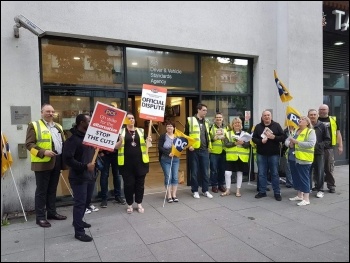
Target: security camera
[(22, 21), (16, 31)]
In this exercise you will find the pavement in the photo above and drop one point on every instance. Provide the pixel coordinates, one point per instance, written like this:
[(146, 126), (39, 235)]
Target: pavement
[(219, 229)]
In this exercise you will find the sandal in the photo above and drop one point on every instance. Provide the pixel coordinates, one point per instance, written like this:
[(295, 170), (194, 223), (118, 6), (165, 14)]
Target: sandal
[(238, 195), (140, 209), (170, 200), (226, 193), (175, 199), (129, 210)]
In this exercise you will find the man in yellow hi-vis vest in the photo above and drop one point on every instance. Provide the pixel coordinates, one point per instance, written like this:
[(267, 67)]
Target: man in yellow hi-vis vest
[(197, 127), (331, 124), (44, 140)]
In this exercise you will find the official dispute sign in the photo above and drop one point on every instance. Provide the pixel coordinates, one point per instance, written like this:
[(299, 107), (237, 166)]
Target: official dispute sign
[(104, 128), (153, 103)]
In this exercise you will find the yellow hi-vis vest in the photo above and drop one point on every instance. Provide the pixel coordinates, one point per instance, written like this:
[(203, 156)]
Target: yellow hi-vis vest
[(304, 154), (145, 157), (233, 153), (332, 120), (194, 131), (217, 146), (43, 140)]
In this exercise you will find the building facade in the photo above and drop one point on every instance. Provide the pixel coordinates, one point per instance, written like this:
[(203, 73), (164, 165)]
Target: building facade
[(220, 53)]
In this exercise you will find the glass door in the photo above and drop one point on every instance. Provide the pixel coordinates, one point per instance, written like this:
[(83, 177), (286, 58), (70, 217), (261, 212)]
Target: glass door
[(338, 103)]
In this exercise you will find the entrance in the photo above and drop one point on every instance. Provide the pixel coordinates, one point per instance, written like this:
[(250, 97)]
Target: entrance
[(338, 103), (176, 110)]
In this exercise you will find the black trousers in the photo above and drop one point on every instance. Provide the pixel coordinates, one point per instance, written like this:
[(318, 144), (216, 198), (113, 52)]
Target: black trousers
[(82, 196), (134, 184), (46, 188)]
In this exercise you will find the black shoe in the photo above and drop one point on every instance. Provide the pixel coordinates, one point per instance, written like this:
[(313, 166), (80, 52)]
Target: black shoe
[(120, 200), (56, 217), (288, 186), (85, 225), (43, 223), (104, 204), (314, 189), (84, 238), (267, 189), (278, 197), (260, 195), (332, 190)]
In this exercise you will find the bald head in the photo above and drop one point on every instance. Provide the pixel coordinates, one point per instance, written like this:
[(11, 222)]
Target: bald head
[(323, 111)]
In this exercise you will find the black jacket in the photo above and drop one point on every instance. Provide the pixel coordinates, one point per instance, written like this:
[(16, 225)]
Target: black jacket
[(271, 147), (161, 149), (77, 156), (323, 139)]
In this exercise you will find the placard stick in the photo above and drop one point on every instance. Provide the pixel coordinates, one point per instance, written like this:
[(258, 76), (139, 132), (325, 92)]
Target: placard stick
[(95, 155), (148, 143)]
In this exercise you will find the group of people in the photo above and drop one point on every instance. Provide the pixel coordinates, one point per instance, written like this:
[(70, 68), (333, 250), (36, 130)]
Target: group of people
[(218, 147), (51, 153)]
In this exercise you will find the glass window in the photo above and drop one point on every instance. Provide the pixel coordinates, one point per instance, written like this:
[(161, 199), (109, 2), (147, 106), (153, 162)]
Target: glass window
[(339, 81), (175, 71), (224, 74), (77, 63), (230, 107)]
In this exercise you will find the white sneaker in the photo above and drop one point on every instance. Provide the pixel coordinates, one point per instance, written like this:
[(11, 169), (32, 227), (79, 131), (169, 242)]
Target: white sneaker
[(303, 203), (87, 211), (207, 194), (320, 194), (196, 195), (296, 198), (93, 208)]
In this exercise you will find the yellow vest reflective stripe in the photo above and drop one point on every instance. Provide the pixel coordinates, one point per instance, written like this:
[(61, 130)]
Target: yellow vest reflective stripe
[(304, 154), (216, 146), (145, 156), (194, 131), (233, 153), (43, 140), (332, 120)]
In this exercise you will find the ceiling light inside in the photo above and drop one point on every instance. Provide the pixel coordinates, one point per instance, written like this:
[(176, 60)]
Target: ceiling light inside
[(76, 58), (223, 60), (242, 62), (339, 43)]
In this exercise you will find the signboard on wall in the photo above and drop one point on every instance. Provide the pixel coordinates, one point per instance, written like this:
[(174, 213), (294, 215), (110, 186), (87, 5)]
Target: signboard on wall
[(20, 114)]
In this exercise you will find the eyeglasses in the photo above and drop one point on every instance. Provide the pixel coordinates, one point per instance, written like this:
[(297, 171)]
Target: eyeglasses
[(322, 109)]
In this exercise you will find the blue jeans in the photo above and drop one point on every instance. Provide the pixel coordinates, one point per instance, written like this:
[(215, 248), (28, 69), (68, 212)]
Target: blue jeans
[(170, 176), (265, 164), (289, 179), (294, 172), (199, 160), (217, 169), (110, 160)]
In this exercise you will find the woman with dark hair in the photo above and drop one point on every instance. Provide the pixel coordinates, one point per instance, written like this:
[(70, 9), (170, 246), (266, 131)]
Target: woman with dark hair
[(170, 163), (133, 161)]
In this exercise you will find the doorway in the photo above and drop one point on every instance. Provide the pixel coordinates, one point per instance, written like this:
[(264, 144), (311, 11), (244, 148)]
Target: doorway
[(338, 103)]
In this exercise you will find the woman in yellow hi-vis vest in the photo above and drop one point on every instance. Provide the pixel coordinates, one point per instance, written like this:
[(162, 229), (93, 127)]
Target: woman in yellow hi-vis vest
[(303, 143), (237, 156), (133, 161)]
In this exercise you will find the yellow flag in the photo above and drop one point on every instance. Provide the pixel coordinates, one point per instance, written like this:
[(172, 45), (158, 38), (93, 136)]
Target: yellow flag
[(6, 157), (292, 117), (181, 142), (282, 90)]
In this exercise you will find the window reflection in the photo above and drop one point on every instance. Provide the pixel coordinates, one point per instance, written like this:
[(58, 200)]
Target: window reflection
[(224, 74), (80, 63)]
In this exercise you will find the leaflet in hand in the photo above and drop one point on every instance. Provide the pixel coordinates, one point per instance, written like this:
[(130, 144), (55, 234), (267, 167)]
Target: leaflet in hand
[(267, 131), (244, 136)]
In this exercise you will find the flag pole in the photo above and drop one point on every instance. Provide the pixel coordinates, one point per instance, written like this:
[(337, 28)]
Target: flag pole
[(13, 179), (167, 187), (250, 165)]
